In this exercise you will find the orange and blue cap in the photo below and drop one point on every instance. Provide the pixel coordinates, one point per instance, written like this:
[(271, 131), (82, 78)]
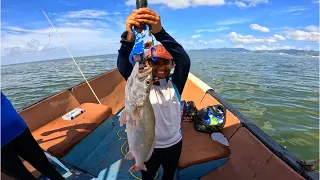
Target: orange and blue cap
[(158, 51)]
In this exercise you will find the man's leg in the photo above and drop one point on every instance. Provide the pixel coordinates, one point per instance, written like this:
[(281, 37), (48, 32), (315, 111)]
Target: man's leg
[(12, 166), (29, 149), (152, 166), (170, 160)]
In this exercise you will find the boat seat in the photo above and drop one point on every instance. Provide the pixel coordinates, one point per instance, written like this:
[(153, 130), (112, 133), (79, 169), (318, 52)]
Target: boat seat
[(58, 136), (198, 149)]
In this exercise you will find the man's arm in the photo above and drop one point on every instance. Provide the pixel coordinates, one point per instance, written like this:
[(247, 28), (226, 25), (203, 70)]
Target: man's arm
[(182, 60), (123, 64)]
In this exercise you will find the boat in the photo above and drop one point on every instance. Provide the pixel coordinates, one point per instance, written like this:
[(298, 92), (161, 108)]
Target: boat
[(92, 145)]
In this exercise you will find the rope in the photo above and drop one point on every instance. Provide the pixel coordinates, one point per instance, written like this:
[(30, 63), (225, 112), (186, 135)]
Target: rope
[(72, 57), (124, 152)]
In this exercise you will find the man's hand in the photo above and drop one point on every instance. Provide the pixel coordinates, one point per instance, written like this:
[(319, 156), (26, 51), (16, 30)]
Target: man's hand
[(147, 16), (132, 20)]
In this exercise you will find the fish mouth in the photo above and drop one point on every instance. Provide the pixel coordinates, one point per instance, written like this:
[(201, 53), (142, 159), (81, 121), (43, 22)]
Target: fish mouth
[(144, 74), (145, 71)]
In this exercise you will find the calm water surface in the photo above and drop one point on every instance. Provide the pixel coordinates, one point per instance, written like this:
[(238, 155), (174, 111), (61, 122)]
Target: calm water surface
[(278, 93)]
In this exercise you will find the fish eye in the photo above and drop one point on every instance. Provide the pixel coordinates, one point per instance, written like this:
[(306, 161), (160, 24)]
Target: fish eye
[(148, 82)]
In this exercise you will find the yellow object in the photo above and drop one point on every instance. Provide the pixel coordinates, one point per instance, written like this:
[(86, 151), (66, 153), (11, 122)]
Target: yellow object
[(124, 152)]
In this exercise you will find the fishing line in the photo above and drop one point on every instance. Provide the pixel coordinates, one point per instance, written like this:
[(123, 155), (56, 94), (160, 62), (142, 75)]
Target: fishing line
[(72, 58)]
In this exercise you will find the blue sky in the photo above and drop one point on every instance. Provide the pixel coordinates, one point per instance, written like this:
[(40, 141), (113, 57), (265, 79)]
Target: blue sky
[(94, 27)]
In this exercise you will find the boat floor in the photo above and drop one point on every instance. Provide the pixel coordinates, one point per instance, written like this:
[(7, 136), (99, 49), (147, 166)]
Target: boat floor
[(100, 154)]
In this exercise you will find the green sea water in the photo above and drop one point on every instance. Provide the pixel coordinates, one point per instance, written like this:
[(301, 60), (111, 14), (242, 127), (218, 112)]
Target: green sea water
[(278, 93)]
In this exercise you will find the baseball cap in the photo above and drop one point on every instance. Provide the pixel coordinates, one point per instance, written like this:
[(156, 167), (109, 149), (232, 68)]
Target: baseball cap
[(160, 51)]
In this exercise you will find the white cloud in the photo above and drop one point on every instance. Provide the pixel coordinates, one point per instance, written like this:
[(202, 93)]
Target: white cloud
[(92, 18), (316, 1), (202, 42), (177, 4), (249, 39), (31, 41), (259, 28), (274, 47), (312, 34), (285, 47), (86, 13), (84, 32), (312, 28), (239, 46), (306, 47), (279, 37), (295, 9), (240, 4), (66, 3), (225, 22), (296, 14), (216, 41), (248, 3), (212, 30), (263, 47), (196, 36), (85, 23)]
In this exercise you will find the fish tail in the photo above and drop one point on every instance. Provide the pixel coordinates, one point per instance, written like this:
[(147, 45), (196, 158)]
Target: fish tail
[(137, 167)]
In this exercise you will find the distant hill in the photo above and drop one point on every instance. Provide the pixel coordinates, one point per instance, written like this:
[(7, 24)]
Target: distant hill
[(280, 51), (291, 52)]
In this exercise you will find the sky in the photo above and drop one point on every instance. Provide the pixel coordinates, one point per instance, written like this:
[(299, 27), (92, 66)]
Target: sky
[(94, 27)]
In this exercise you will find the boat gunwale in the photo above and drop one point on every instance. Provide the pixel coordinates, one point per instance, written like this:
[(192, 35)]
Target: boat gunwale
[(284, 154), (67, 89)]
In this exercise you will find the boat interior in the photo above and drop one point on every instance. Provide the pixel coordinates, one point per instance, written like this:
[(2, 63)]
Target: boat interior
[(95, 142)]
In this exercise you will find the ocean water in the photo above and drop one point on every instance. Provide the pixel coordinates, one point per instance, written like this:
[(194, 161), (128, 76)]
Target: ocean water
[(278, 93)]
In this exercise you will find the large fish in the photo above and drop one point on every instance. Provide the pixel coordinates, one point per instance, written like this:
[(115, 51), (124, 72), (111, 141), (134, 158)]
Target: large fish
[(139, 117)]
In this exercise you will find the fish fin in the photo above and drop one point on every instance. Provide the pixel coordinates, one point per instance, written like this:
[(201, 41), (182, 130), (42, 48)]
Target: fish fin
[(136, 117), (130, 118), (123, 118), (129, 156), (151, 150), (138, 168)]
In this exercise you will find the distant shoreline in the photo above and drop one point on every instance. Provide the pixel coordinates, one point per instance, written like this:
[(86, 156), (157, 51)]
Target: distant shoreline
[(294, 52), (243, 50)]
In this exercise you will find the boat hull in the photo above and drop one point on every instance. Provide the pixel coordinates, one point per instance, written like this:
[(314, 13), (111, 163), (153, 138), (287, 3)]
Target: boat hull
[(252, 154)]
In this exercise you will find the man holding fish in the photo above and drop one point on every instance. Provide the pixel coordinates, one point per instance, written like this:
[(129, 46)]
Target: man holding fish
[(152, 110)]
